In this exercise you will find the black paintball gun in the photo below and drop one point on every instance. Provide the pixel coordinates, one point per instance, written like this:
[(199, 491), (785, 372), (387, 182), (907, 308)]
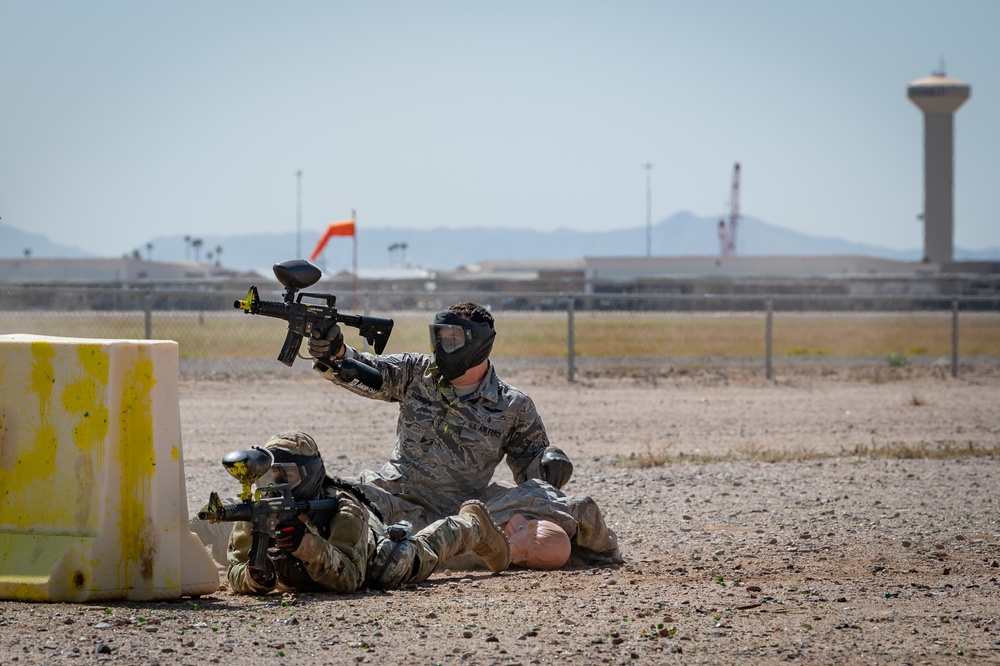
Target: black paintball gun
[(265, 508), (306, 318)]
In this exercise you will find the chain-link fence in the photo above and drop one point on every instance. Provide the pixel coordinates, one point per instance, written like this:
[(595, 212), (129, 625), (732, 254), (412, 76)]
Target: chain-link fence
[(570, 333)]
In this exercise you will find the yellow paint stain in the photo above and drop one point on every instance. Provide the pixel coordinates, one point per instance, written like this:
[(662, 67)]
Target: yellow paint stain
[(175, 452), (43, 375), (35, 445), (95, 362), (84, 398), (41, 463), (138, 462), (40, 470)]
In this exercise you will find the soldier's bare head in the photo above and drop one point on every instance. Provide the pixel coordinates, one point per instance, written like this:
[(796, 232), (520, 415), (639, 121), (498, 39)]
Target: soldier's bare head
[(472, 312)]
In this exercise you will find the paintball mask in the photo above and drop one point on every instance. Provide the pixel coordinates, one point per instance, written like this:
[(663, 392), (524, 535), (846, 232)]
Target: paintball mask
[(459, 344), (296, 462)]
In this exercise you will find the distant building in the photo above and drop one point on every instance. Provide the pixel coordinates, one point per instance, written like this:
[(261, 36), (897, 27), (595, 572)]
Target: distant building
[(106, 271)]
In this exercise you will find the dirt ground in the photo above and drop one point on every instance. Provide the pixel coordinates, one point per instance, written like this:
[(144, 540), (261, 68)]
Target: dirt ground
[(830, 516)]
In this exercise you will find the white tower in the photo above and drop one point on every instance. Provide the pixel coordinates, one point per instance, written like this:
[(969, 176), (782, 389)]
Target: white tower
[(939, 97)]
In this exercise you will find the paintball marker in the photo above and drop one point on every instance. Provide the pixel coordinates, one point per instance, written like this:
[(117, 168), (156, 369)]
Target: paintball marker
[(263, 510), (305, 318)]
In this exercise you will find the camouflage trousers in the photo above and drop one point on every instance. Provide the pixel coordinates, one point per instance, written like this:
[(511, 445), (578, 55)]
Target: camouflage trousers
[(594, 541), (414, 559)]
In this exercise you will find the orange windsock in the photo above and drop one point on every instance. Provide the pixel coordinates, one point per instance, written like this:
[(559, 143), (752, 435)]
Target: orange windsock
[(341, 228)]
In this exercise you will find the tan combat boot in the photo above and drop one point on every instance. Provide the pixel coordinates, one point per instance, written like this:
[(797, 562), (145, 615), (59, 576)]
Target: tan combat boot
[(492, 546)]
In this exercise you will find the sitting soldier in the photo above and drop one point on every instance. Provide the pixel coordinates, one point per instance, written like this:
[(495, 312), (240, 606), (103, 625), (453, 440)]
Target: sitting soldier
[(353, 548)]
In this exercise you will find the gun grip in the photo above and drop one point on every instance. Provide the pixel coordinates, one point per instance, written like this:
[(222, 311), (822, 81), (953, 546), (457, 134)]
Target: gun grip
[(290, 350), (259, 544)]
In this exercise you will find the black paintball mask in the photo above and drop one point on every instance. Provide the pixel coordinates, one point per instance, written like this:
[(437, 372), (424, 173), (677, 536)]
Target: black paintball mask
[(304, 475), (459, 344)]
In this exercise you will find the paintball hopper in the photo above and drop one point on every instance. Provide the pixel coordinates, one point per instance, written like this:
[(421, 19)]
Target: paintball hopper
[(247, 466), (296, 274)]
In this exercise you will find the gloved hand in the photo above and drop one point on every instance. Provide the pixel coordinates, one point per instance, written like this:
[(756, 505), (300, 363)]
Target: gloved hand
[(556, 467), (263, 577), (288, 535), (326, 346)]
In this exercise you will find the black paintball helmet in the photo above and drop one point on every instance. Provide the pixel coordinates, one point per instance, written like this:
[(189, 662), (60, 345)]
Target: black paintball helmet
[(461, 338)]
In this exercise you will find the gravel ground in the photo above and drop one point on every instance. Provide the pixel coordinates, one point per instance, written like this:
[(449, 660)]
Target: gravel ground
[(835, 515)]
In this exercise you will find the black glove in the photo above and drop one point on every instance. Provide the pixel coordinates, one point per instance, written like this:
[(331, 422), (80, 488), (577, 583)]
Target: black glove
[(263, 577), (326, 346), (288, 535), (556, 467)]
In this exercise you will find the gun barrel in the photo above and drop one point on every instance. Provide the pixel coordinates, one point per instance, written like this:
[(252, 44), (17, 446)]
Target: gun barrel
[(227, 513), (274, 309)]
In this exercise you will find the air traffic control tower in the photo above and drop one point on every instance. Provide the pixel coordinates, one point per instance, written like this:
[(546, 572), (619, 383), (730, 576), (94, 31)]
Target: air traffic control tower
[(939, 98)]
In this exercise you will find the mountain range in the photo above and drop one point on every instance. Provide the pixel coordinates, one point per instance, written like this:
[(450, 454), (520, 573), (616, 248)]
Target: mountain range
[(444, 249)]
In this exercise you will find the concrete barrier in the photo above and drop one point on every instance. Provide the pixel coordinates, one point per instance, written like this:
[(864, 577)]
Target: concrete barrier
[(92, 496)]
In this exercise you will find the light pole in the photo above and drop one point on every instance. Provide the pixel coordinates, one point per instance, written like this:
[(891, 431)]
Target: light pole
[(298, 215), (649, 209)]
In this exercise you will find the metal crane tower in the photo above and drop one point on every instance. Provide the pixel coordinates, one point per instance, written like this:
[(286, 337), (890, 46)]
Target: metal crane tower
[(727, 235)]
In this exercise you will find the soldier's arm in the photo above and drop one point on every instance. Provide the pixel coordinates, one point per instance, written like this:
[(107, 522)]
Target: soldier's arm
[(340, 561), (527, 441), (238, 556), (397, 372)]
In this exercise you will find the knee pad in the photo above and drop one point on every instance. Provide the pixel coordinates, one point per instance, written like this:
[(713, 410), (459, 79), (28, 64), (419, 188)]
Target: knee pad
[(394, 564)]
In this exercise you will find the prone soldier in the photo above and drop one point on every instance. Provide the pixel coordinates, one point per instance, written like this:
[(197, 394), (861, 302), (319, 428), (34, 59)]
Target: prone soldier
[(338, 543)]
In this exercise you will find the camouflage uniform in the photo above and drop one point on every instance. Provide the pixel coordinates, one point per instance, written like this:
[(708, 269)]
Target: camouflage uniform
[(593, 541), (339, 557), (447, 448)]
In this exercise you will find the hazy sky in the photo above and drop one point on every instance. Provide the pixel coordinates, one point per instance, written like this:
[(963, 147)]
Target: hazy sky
[(121, 121)]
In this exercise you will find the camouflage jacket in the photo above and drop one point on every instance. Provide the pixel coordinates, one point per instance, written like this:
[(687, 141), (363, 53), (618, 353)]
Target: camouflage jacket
[(336, 562), (448, 448)]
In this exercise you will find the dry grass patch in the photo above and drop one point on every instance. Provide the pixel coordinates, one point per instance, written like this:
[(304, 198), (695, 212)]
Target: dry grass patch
[(756, 453)]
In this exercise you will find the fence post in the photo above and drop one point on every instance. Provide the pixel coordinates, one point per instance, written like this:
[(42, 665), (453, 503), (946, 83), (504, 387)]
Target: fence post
[(148, 303), (768, 326), (570, 342), (954, 337)]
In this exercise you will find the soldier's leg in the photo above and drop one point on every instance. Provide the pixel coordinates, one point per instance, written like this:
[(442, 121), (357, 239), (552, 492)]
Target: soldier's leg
[(404, 558), (384, 495), (455, 535), (473, 530)]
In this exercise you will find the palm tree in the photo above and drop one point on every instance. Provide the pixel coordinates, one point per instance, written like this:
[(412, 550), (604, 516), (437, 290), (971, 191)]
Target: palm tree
[(196, 244), (27, 252), (218, 251), (187, 248), (149, 251)]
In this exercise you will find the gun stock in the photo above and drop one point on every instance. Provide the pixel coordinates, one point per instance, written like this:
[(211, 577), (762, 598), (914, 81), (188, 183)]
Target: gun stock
[(373, 329)]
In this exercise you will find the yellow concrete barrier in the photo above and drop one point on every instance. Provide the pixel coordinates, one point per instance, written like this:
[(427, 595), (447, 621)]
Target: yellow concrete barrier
[(92, 497)]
